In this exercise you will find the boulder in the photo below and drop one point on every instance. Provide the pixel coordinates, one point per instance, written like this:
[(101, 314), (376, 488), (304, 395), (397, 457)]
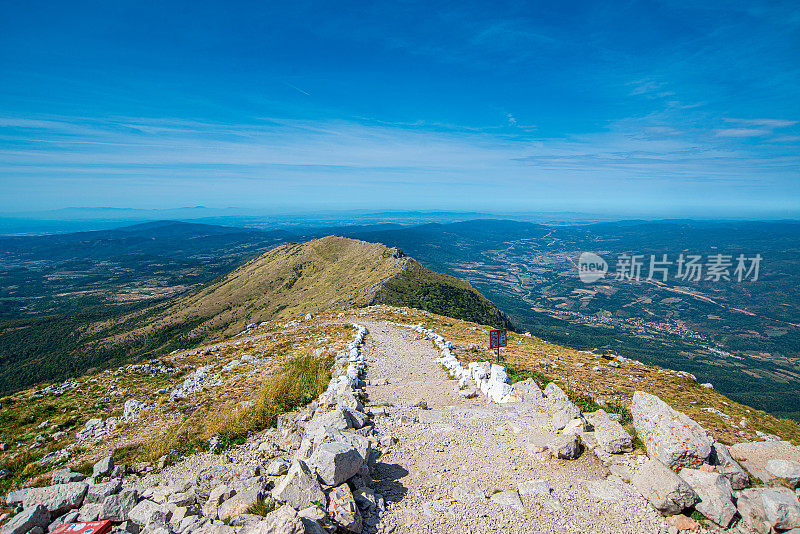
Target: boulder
[(57, 499), (670, 436), (335, 419), (716, 495), (564, 412), (103, 468), (527, 391), (69, 517), (284, 520), (785, 470), (553, 392), (782, 508), (567, 446), (90, 512), (65, 476), (728, 467), (299, 488), (36, 516), (278, 468), (342, 508), (335, 462), (665, 490), (611, 436), (146, 511), (116, 507), (751, 508), (98, 492)]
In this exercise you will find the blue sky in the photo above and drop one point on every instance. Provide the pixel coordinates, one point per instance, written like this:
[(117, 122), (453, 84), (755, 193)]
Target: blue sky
[(663, 108)]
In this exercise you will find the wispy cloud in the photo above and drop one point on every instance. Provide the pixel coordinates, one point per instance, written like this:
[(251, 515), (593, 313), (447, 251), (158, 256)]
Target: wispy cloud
[(741, 132)]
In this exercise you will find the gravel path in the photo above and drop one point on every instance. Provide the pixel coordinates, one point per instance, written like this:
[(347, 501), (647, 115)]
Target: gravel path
[(454, 455)]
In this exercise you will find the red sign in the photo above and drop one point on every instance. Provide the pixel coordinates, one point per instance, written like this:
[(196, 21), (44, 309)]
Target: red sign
[(92, 527), (497, 338)]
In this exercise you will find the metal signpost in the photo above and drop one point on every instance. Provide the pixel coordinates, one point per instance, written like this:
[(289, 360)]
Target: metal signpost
[(497, 339)]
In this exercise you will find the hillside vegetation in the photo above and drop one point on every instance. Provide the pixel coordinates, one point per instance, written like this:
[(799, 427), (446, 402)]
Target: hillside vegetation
[(292, 280)]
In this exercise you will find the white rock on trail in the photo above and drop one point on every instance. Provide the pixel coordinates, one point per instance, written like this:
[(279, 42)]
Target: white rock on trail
[(610, 435), (665, 490), (716, 495), (669, 435), (786, 470), (299, 488)]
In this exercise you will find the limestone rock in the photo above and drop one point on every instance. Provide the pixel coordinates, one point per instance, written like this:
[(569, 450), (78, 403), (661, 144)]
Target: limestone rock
[(751, 507), (509, 499), (278, 468), (468, 492), (103, 468), (611, 436), (64, 476), (284, 520), (144, 512), (343, 509), (553, 392), (57, 499), (786, 470), (670, 436), (728, 467), (98, 492), (567, 447), (782, 508), (665, 490), (535, 487), (27, 520), (299, 488), (716, 496), (564, 412), (116, 507), (335, 462)]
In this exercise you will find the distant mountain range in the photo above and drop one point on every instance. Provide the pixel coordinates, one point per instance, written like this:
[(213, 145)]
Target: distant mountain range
[(741, 336)]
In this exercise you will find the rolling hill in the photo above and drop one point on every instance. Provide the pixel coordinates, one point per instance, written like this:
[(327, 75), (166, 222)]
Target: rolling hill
[(287, 282)]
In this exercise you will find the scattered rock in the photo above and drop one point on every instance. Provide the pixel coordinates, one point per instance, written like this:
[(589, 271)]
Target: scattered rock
[(278, 468), (665, 490), (728, 467), (64, 476), (31, 518), (299, 488), (103, 468), (567, 447), (335, 462), (57, 499), (342, 508), (610, 435), (716, 496), (670, 436), (785, 470)]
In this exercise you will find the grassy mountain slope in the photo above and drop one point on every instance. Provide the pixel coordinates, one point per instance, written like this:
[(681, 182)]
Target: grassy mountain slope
[(323, 274), (289, 281)]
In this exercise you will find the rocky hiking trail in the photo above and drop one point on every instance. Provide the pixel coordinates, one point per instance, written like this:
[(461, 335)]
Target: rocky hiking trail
[(407, 439), (453, 455)]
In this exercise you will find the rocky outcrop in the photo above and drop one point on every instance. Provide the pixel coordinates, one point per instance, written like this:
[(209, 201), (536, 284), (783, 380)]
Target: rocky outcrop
[(716, 495), (670, 436), (665, 490)]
